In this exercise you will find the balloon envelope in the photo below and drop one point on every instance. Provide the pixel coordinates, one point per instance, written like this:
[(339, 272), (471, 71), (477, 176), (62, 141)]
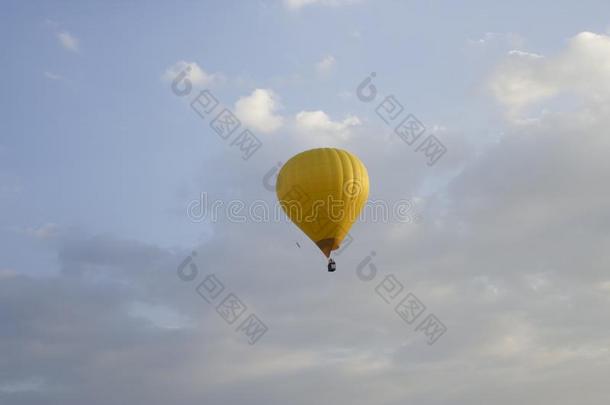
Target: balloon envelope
[(323, 191)]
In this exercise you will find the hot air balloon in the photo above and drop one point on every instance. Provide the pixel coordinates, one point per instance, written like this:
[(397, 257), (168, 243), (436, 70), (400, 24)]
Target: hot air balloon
[(323, 191)]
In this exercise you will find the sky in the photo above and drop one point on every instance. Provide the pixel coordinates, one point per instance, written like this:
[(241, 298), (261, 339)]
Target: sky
[(115, 271)]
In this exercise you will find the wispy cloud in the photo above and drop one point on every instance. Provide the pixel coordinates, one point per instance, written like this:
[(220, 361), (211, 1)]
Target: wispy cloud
[(68, 41), (194, 73), (298, 4), (319, 122), (510, 39), (45, 231), (326, 65), (581, 69)]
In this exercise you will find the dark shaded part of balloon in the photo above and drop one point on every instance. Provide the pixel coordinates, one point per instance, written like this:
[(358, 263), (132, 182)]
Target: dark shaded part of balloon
[(326, 245)]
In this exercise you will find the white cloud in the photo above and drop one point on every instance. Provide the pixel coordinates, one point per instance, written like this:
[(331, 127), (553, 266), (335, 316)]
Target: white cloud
[(298, 4), (516, 52), (68, 41), (582, 69), (319, 122), (326, 65), (195, 73), (258, 110)]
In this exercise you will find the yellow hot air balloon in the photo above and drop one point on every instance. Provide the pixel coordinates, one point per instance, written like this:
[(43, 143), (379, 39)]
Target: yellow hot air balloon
[(323, 191)]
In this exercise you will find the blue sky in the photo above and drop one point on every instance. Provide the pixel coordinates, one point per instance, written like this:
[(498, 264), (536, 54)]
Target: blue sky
[(99, 161)]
